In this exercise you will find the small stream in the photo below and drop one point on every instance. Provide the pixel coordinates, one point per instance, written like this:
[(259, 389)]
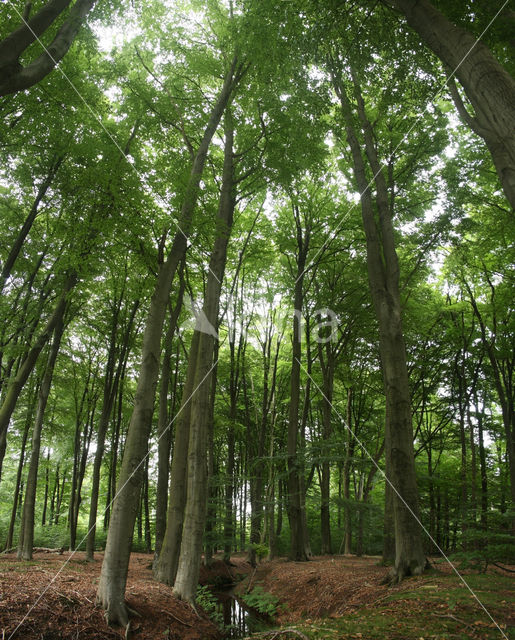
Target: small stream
[(238, 620)]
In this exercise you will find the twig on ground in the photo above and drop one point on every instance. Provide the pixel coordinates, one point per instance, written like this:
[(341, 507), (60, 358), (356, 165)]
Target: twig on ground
[(272, 635), (251, 578), (449, 615), (503, 568), (186, 624)]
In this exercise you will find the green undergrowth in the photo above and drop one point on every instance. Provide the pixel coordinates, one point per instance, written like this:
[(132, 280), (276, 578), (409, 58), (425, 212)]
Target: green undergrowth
[(439, 609), (261, 601)]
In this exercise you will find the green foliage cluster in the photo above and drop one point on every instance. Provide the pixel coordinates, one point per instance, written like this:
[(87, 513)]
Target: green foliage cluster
[(262, 601)]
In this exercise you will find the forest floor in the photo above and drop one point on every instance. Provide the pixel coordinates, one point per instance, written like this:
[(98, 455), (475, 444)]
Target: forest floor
[(335, 597)]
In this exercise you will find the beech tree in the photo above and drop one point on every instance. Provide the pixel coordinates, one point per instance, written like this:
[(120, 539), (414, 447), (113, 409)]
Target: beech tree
[(17, 76), (486, 83), (283, 164)]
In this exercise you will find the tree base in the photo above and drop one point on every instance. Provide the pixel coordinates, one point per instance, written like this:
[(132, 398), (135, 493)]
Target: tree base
[(404, 570)]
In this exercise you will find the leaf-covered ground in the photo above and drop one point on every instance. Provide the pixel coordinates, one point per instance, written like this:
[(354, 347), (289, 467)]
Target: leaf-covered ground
[(331, 597), (342, 598)]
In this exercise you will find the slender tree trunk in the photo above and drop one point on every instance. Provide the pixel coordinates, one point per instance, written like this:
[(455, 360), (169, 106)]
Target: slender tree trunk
[(16, 77), (29, 221), (111, 383), (53, 500), (33, 394), (482, 467), (195, 510), (60, 495), (298, 543), (26, 540), (164, 431), (488, 86), (383, 273), (212, 469), (349, 453), (45, 498), (327, 365), (29, 361), (165, 567), (146, 509), (229, 467), (113, 577)]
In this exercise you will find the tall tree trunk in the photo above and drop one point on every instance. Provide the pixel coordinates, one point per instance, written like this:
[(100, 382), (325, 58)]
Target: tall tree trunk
[(113, 577), (45, 497), (111, 382), (298, 543), (482, 466), (16, 77), (349, 454), (504, 386), (164, 432), (327, 364), (29, 221), (229, 467), (488, 86), (31, 404), (165, 567), (212, 469), (383, 273), (195, 510), (26, 539), (29, 361)]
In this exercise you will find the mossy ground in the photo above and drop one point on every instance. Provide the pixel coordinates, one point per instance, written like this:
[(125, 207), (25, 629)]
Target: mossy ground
[(440, 609)]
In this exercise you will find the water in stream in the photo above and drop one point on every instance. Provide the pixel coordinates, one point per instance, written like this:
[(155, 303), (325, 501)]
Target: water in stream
[(239, 621)]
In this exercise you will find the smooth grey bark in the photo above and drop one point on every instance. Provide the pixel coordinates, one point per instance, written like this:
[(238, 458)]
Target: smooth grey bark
[(113, 577), (326, 357), (259, 467), (349, 454), (229, 466), (488, 86), (164, 430), (383, 273), (16, 385), (111, 383), (165, 567), (503, 369), (26, 538), (29, 221), (196, 501), (14, 76), (298, 541), (31, 405)]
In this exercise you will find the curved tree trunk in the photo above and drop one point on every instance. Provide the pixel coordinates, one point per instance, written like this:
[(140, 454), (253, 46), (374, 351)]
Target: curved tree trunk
[(165, 567), (164, 430), (383, 273), (29, 221), (15, 77), (113, 577), (195, 512), (26, 540), (28, 364), (298, 542), (111, 382), (488, 86)]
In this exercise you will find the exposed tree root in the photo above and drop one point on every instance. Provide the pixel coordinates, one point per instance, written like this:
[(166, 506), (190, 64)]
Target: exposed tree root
[(272, 635), (116, 613), (499, 566), (397, 574)]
